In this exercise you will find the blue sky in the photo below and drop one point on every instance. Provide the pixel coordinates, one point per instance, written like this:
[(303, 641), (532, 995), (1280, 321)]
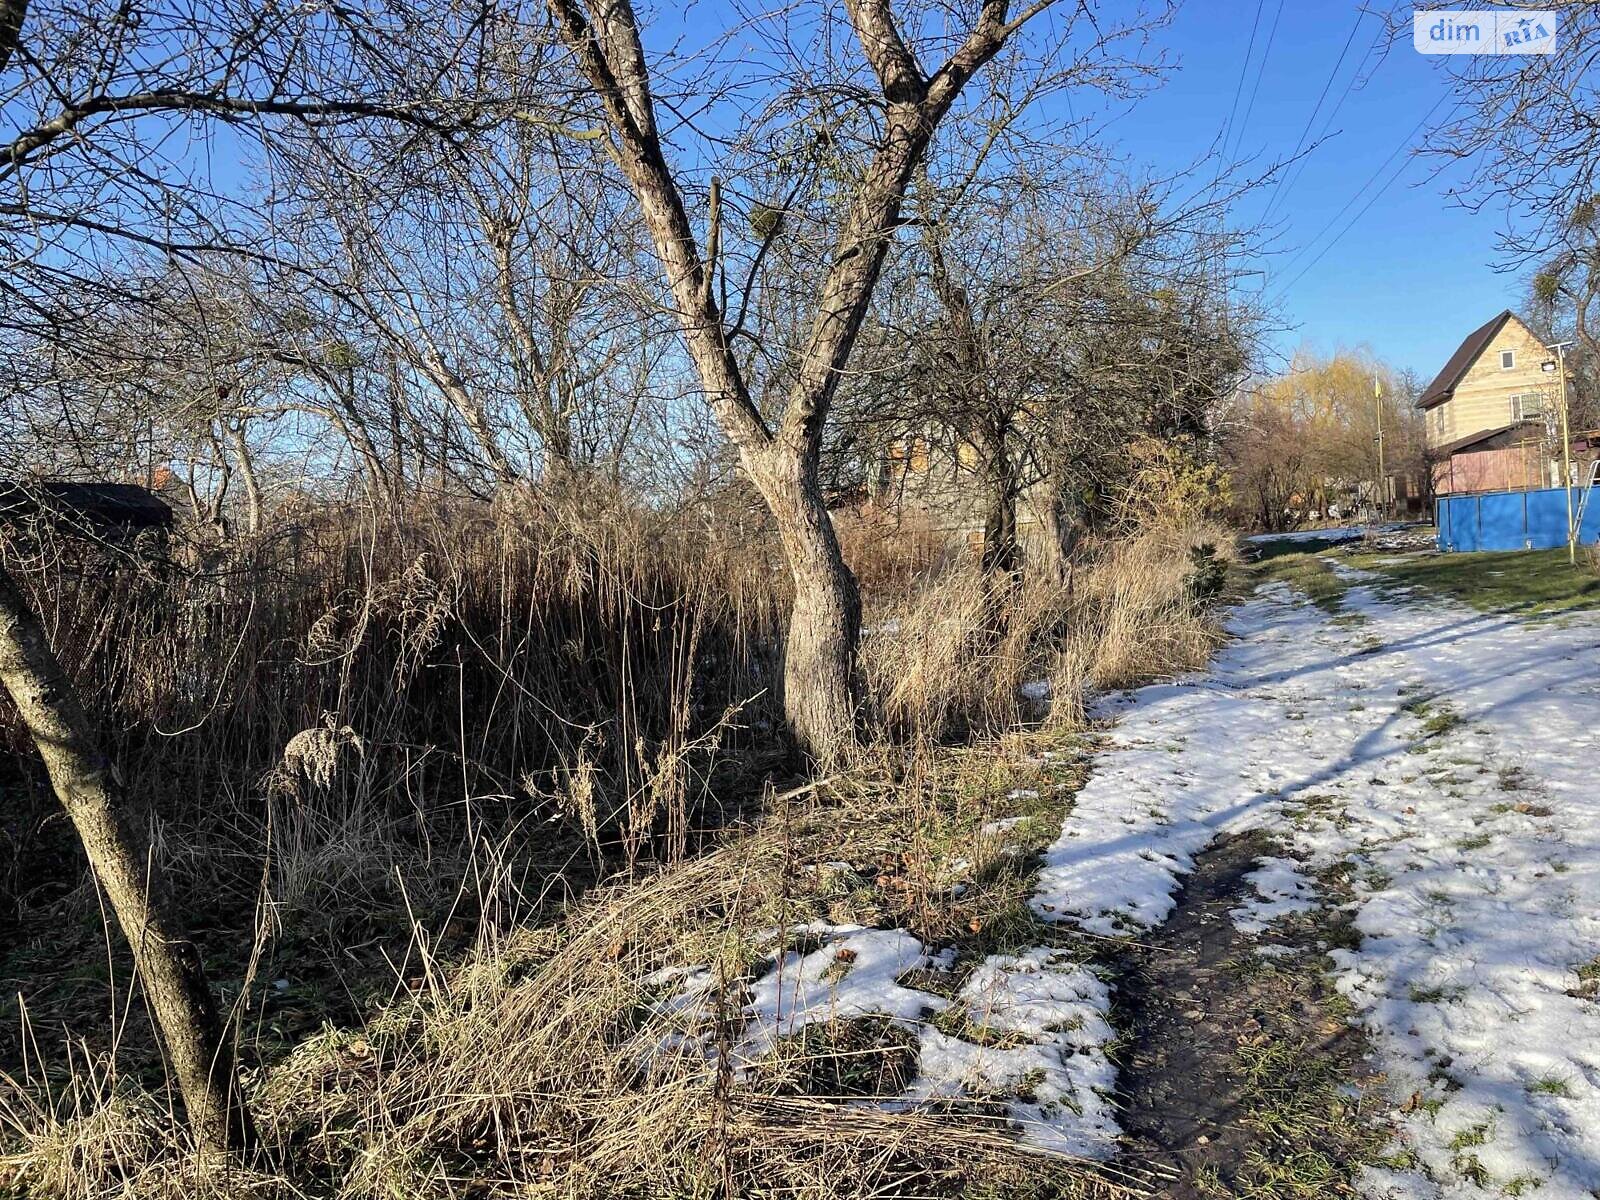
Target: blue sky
[(1405, 272), (1414, 273), (1368, 249)]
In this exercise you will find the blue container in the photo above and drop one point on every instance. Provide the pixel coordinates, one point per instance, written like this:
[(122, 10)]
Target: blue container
[(1533, 520)]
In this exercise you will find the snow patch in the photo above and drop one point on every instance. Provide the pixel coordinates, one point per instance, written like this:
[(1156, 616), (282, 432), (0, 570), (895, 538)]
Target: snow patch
[(1042, 1023), (1028, 1033), (1281, 890), (1474, 854)]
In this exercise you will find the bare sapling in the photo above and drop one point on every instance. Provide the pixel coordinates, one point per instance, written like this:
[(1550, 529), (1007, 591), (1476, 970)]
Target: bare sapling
[(168, 962)]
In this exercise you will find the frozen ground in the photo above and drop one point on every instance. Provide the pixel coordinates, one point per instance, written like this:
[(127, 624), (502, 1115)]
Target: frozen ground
[(1439, 760), (1026, 1032), (1337, 533), (1333, 533), (1448, 756)]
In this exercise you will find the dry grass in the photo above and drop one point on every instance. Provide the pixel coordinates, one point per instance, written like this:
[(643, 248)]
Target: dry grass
[(1137, 615), (958, 657), (346, 679), (352, 745), (481, 769), (893, 554), (545, 632), (545, 1063)]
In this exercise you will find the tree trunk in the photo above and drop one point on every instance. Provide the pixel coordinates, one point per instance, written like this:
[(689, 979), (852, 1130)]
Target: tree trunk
[(471, 413), (1002, 555), (247, 473), (347, 419), (1001, 561), (821, 678), (1063, 528), (12, 13), (820, 689), (88, 789)]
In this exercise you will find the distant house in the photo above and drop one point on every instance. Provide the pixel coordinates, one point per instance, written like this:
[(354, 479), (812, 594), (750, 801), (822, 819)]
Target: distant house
[(927, 489), (1485, 412), (91, 507), (919, 494)]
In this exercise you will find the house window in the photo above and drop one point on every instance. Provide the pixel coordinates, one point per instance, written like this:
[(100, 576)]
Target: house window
[(1508, 359), (1527, 406), (912, 455)]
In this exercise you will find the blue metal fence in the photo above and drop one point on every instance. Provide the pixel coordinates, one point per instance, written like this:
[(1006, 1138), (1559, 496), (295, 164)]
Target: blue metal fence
[(1535, 520)]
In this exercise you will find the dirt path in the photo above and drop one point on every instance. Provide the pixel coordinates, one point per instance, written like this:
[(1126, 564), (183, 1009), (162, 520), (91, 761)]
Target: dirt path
[(1326, 923), (1426, 773), (1200, 1005)]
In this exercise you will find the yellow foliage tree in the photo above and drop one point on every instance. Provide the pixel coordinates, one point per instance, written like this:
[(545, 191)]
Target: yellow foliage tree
[(1309, 437)]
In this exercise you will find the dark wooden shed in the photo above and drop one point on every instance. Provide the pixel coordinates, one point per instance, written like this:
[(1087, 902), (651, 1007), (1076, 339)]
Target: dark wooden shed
[(109, 506)]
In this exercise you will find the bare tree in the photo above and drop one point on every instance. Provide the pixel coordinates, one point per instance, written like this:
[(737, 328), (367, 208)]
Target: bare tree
[(1030, 338), (496, 270), (91, 173), (779, 433), (1523, 134), (1307, 438), (169, 963), (1002, 356), (1523, 129)]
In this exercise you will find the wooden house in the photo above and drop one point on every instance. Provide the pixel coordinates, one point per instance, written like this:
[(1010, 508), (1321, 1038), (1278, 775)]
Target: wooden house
[(1486, 414), (96, 507)]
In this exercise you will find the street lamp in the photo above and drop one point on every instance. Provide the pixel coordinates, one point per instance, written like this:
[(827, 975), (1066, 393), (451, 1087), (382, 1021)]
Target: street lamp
[(1559, 364)]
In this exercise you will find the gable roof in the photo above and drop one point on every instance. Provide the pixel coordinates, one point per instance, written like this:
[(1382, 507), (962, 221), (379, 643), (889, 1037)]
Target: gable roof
[(1466, 354)]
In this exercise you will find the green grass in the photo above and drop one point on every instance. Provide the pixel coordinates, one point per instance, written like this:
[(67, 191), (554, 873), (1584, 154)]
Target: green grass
[(1551, 1085), (1475, 1135), (1588, 979), (1307, 573), (1527, 582), (1295, 1064), (1292, 545), (1438, 717), (1312, 1136), (1436, 995)]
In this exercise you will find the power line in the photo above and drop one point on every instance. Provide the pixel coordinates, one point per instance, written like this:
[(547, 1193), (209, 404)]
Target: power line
[(1365, 207), (1334, 111), (1261, 69), (1373, 178), (1326, 87), (1244, 69)]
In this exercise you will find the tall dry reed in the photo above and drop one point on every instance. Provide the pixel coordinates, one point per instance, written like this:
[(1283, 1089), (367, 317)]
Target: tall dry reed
[(962, 655), (370, 727), (330, 730)]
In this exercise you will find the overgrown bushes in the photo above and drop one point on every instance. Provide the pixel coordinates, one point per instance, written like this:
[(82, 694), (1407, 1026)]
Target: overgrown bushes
[(961, 657), (471, 659)]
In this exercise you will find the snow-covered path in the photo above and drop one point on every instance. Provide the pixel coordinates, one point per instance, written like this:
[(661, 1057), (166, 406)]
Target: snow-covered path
[(1449, 757)]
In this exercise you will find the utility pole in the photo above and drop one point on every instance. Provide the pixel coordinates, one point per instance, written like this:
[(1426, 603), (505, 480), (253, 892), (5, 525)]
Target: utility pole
[(1559, 365), (1382, 494)]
